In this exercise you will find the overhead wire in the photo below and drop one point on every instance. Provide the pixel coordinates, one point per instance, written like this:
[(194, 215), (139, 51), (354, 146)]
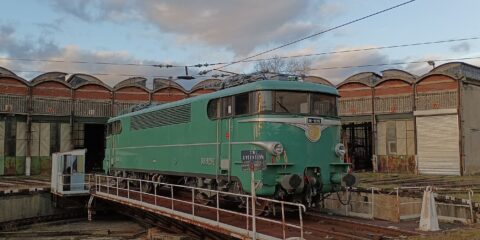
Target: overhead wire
[(253, 60), (309, 69), (316, 34), (88, 62), (392, 64), (366, 49), (354, 50), (100, 74)]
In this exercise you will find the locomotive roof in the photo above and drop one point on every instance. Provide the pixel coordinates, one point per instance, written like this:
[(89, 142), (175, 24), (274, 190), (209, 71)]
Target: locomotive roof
[(254, 86)]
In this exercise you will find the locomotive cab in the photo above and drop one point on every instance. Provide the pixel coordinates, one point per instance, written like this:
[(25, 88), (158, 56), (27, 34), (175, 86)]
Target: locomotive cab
[(299, 132)]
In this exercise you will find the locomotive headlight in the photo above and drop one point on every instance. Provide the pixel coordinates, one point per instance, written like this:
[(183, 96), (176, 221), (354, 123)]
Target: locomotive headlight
[(340, 150), (277, 149)]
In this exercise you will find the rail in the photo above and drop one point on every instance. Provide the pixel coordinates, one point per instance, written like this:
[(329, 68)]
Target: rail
[(157, 195)]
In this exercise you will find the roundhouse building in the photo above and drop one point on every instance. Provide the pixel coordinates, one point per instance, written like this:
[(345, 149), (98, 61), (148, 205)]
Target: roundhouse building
[(409, 124), (14, 106), (51, 113), (395, 131), (356, 110), (392, 122), (203, 87), (129, 93), (167, 90), (447, 120)]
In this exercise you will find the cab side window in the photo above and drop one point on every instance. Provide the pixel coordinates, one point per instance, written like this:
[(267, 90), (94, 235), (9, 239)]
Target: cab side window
[(114, 128), (227, 107), (242, 104), (213, 109)]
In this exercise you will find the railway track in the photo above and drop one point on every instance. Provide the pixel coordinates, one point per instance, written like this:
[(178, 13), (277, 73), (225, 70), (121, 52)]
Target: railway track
[(22, 223)]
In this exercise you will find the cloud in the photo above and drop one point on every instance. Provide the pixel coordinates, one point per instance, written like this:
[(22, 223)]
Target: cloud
[(41, 48), (240, 26), (463, 47), (78, 8)]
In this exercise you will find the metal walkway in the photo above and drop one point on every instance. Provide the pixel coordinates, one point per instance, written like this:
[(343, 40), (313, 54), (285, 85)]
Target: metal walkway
[(179, 202)]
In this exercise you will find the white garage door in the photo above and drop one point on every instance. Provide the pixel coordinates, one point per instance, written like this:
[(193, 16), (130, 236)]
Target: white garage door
[(438, 145)]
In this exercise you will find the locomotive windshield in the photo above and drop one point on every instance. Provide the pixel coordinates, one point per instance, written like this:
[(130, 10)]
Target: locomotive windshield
[(302, 103), (273, 102)]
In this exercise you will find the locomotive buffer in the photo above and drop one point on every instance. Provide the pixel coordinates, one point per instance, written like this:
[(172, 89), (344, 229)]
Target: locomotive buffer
[(253, 160)]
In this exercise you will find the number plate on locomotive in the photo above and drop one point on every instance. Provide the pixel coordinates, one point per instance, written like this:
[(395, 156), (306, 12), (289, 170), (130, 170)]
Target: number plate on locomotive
[(253, 159)]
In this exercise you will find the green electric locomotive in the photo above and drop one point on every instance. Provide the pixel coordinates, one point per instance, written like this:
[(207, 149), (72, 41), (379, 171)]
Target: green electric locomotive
[(288, 130)]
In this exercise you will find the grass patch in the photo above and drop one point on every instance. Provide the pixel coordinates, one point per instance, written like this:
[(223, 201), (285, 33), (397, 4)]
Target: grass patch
[(472, 233)]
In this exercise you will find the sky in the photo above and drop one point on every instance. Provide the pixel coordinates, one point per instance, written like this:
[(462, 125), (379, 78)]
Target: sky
[(147, 32)]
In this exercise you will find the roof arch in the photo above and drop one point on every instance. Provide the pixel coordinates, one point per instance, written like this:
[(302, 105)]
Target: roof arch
[(458, 70), (161, 83), (396, 75), (138, 82), (4, 71), (366, 78), (319, 80), (206, 84), (79, 79), (429, 74), (20, 79), (447, 66), (51, 76)]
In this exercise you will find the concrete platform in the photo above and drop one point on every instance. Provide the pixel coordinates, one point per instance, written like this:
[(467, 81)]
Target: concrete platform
[(24, 184)]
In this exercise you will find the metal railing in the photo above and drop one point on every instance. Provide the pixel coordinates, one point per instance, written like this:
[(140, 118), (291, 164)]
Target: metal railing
[(346, 203), (168, 196), (404, 207), (468, 204)]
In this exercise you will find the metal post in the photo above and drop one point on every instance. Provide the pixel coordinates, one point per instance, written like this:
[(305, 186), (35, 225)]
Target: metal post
[(141, 199), (398, 204), (155, 193), (193, 201), (171, 194), (218, 207), (128, 188), (117, 185), (89, 208), (108, 186), (254, 227), (301, 221), (373, 204), (346, 205), (248, 214), (283, 220), (470, 195)]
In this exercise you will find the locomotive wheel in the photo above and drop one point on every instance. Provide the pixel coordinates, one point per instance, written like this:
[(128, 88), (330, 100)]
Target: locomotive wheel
[(261, 208), (147, 187), (122, 184), (202, 198)]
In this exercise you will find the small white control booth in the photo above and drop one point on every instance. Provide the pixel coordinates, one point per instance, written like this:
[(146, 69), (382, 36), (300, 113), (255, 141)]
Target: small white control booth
[(68, 173)]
